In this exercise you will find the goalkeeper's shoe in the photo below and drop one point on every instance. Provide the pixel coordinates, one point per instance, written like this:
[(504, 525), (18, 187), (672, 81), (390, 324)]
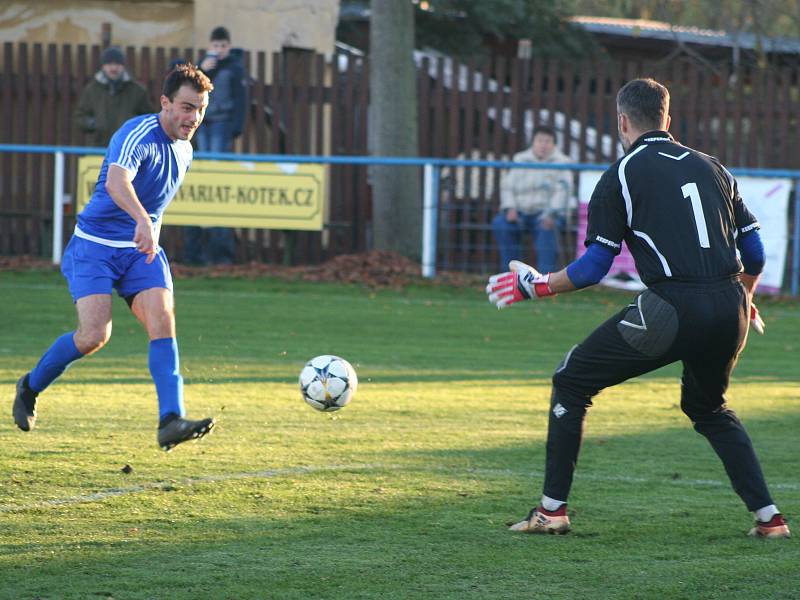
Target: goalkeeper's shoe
[(776, 527), (540, 520), (176, 430), (24, 408)]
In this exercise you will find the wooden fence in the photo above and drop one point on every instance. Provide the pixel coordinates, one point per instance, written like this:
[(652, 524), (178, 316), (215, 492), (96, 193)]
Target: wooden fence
[(746, 117), (298, 105), (303, 103)]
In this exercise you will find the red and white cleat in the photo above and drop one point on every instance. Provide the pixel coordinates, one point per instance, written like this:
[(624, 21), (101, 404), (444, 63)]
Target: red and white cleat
[(776, 527), (540, 520)]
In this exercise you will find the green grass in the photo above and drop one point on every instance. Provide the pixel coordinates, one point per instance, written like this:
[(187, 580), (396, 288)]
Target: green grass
[(405, 493)]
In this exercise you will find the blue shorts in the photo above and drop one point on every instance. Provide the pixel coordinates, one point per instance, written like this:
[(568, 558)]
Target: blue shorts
[(92, 268)]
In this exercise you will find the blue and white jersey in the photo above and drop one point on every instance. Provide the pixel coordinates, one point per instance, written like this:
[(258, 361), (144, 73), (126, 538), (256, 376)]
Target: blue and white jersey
[(156, 164)]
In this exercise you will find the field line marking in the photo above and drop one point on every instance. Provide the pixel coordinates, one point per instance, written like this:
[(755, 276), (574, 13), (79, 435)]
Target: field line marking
[(271, 473), (162, 485), (631, 479)]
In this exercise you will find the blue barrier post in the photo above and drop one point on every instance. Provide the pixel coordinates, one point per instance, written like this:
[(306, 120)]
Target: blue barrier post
[(796, 241), (58, 207), (430, 212)]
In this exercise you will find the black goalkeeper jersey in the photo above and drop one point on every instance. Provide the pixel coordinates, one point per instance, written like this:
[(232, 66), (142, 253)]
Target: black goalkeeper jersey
[(678, 210)]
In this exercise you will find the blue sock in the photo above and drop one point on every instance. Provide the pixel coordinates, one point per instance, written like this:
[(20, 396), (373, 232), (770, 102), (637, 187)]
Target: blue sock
[(165, 369), (54, 362)]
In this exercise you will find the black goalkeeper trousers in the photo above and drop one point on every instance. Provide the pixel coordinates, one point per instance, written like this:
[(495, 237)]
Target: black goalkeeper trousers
[(702, 325)]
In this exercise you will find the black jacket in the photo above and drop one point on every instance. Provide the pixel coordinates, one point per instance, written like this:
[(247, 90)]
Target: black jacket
[(228, 100)]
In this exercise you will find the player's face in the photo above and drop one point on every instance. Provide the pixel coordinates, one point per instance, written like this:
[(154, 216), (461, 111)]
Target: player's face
[(543, 145), (182, 115)]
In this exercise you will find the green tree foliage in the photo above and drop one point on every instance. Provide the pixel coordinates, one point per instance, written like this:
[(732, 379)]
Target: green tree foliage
[(766, 18), (763, 19), (465, 28)]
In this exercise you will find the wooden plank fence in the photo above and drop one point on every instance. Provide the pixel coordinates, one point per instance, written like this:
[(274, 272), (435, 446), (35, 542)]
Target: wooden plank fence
[(303, 103)]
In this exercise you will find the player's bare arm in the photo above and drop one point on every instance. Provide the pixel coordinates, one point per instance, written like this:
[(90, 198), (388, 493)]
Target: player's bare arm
[(560, 282), (119, 187), (750, 282)]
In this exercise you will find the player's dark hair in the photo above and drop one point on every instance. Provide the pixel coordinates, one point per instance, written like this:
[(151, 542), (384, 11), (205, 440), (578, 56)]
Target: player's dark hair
[(544, 130), (220, 33), (182, 74), (645, 101)]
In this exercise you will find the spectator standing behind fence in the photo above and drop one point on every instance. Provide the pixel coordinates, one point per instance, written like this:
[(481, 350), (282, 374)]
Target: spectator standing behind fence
[(223, 124), (534, 200), (110, 98)]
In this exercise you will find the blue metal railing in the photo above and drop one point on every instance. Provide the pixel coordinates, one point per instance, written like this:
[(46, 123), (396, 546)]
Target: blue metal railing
[(432, 167), (377, 160)]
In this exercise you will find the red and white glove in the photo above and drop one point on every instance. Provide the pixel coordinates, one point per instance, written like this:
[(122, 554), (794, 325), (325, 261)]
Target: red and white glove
[(756, 322), (523, 282)]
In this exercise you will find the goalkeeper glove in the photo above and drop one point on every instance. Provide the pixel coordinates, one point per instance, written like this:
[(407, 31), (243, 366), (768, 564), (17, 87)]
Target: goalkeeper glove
[(756, 322), (523, 282)]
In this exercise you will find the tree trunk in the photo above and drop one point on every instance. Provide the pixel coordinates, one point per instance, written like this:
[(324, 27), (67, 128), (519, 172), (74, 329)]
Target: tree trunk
[(396, 195)]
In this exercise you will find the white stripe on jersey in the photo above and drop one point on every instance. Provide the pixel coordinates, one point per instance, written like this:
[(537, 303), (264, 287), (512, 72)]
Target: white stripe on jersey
[(117, 243), (98, 240), (650, 243), (625, 191), (681, 157), (135, 136), (728, 174), (730, 180)]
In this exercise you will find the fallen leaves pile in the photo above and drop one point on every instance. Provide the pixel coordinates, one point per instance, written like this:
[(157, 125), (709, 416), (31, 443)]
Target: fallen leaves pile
[(374, 269)]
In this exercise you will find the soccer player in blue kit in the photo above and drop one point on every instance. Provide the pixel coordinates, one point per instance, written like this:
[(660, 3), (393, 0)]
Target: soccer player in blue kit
[(115, 246)]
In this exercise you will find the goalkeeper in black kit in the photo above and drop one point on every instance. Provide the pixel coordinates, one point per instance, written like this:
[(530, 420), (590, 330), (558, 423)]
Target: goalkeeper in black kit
[(680, 213)]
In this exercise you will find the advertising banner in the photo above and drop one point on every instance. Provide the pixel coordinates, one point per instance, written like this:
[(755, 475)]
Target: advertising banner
[(236, 194)]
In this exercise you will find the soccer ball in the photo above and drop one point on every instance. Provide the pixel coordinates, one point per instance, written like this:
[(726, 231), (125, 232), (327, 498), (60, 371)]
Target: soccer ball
[(328, 382)]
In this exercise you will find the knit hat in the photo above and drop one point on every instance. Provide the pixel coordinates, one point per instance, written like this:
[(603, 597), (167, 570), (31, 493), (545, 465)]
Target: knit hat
[(220, 33), (112, 54)]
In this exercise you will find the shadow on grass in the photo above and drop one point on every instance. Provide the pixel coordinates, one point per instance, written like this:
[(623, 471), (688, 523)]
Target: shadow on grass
[(654, 517), (367, 377)]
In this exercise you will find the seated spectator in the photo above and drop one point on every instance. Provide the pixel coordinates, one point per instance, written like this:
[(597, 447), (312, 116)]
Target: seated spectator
[(536, 201)]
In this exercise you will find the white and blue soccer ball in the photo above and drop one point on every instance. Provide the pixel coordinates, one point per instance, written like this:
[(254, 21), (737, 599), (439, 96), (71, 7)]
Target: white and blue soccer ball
[(328, 382)]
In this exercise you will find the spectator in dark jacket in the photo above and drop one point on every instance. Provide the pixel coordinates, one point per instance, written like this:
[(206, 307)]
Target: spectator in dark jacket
[(222, 124), (109, 99), (226, 106)]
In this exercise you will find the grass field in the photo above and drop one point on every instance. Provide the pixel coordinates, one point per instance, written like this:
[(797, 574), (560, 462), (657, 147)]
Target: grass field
[(406, 493)]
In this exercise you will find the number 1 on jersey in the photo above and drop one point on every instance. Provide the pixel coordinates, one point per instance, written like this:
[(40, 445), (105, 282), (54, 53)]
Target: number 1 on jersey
[(690, 191)]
